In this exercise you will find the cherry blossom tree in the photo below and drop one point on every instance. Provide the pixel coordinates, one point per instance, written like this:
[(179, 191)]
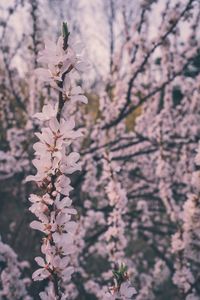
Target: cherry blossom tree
[(115, 194)]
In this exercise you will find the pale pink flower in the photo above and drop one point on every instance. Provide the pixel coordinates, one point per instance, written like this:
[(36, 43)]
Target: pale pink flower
[(127, 291), (63, 205), (75, 93), (70, 163), (54, 54), (42, 272), (48, 294), (48, 112), (63, 185), (45, 225), (61, 266), (50, 75), (63, 227), (40, 204)]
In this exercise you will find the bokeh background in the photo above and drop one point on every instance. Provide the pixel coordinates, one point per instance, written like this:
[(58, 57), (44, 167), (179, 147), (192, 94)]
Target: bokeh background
[(144, 110)]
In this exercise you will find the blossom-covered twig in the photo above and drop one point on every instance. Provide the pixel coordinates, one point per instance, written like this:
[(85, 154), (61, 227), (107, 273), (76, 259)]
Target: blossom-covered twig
[(55, 161), (116, 241), (115, 235)]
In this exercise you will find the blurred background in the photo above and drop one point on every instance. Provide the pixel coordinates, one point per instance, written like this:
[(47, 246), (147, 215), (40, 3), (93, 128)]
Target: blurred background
[(143, 91)]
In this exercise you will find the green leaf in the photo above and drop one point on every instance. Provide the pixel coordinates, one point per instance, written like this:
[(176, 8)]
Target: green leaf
[(65, 30)]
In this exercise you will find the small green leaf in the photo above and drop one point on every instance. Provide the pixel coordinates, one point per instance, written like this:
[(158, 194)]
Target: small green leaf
[(65, 30)]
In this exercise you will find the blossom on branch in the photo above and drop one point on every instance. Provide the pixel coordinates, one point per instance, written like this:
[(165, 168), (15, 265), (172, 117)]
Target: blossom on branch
[(54, 160)]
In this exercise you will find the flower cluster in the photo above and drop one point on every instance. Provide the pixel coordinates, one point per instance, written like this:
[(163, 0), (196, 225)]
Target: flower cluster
[(13, 285), (115, 235), (186, 242), (116, 241), (54, 162)]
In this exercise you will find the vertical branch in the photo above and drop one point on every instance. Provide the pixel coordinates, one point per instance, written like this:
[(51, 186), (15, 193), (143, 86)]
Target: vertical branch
[(111, 24), (54, 208), (34, 35)]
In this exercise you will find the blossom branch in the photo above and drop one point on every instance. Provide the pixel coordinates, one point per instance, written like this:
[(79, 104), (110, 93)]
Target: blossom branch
[(54, 209)]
